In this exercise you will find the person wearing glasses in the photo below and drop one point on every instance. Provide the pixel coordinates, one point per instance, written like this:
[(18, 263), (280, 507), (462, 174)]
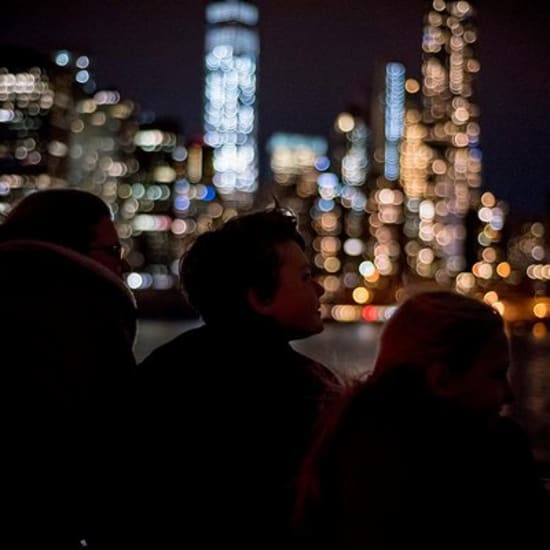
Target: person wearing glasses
[(68, 325), (75, 220)]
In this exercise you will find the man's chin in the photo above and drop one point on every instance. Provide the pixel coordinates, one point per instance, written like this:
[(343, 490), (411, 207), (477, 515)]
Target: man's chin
[(311, 331)]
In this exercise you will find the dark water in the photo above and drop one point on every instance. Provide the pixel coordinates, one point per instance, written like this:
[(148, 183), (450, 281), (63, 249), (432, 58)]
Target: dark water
[(530, 379), (350, 349)]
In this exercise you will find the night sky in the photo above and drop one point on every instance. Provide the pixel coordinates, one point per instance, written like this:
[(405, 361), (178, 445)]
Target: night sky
[(317, 57)]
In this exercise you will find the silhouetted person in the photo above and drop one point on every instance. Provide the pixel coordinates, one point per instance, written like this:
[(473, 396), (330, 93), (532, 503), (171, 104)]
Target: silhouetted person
[(419, 457), (67, 326), (231, 405)]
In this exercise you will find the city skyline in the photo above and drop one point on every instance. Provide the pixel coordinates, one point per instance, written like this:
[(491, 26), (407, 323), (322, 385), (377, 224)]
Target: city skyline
[(315, 61)]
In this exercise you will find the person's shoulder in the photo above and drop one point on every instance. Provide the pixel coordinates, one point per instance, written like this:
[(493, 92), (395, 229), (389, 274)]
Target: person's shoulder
[(173, 352), (316, 372)]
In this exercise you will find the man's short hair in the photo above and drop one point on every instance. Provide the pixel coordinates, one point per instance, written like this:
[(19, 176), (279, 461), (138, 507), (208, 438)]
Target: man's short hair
[(222, 265)]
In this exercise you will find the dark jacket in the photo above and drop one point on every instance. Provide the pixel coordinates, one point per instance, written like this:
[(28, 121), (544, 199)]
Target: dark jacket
[(229, 413), (406, 469), (67, 330)]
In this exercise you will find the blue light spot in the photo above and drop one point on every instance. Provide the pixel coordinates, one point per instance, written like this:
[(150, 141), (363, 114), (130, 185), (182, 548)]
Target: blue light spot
[(475, 154), (82, 76), (182, 186), (181, 203), (62, 58), (322, 163), (210, 194), (326, 205)]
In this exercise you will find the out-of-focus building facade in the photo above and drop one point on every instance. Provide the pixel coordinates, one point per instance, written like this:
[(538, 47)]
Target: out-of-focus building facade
[(167, 202), (230, 108), (450, 116), (296, 161), (385, 205), (37, 103), (394, 200), (57, 130), (343, 245)]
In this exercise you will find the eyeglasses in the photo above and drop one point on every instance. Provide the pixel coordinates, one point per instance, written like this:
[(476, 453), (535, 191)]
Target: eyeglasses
[(114, 250)]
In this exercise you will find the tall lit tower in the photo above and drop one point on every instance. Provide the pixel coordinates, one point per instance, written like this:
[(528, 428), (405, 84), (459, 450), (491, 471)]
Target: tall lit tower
[(230, 109), (450, 117), (384, 256)]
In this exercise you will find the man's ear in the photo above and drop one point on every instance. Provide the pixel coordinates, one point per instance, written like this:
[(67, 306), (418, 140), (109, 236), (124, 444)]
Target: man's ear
[(262, 306), (440, 380)]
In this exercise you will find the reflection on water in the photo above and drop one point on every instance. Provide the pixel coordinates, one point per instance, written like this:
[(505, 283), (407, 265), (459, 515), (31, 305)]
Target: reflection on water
[(350, 349), (530, 377)]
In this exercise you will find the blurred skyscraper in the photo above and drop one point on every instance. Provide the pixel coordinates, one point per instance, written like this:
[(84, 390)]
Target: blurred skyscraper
[(344, 244), (37, 103), (165, 203), (102, 151), (230, 108), (454, 231), (450, 118), (383, 273), (296, 161)]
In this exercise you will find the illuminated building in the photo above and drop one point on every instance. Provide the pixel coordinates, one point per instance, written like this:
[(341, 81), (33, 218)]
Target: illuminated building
[(296, 162), (388, 194), (394, 108), (358, 241), (454, 233), (344, 249), (485, 249), (37, 99), (349, 148), (101, 149), (294, 155), (327, 222), (56, 132), (527, 256), (299, 167), (196, 205), (145, 213), (415, 159), (230, 112), (166, 203), (358, 215), (450, 119), (382, 267), (134, 168)]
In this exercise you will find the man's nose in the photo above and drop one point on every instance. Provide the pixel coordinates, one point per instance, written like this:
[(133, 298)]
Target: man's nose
[(319, 289)]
